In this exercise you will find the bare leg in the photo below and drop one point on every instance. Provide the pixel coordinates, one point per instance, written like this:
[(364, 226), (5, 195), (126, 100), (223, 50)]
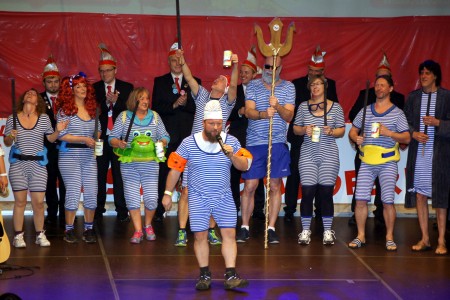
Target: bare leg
[(20, 201), (389, 214), (361, 211), (89, 215), (201, 248), (183, 212), (441, 216), (229, 248), (275, 200), (136, 218), (37, 202), (149, 214), (422, 215), (212, 223), (70, 216), (248, 200)]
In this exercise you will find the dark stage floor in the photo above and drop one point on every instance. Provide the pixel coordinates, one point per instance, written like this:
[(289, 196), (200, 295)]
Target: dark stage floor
[(114, 269)]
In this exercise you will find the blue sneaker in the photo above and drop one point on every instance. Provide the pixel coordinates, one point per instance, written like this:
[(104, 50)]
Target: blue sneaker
[(182, 239), (213, 238)]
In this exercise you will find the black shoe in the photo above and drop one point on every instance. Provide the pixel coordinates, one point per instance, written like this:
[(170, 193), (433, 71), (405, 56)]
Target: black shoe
[(204, 282), (89, 236), (273, 237), (242, 235), (123, 218), (288, 217), (234, 281), (352, 221), (69, 236)]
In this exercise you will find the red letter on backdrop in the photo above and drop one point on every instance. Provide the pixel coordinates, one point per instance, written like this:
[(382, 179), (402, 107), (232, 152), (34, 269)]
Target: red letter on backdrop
[(350, 181)]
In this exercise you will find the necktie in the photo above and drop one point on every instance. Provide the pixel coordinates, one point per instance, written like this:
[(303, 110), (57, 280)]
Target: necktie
[(110, 119), (53, 98), (177, 84)]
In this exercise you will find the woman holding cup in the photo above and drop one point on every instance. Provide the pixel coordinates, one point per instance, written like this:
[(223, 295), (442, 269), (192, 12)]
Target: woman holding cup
[(319, 156), (77, 162)]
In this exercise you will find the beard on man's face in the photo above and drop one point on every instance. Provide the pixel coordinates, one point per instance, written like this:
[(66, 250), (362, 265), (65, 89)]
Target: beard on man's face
[(211, 136)]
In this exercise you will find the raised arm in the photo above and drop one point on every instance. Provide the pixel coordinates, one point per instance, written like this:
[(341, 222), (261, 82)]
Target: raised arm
[(193, 84), (232, 90)]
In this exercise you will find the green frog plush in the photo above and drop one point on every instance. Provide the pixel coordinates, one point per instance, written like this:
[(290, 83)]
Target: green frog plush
[(142, 149)]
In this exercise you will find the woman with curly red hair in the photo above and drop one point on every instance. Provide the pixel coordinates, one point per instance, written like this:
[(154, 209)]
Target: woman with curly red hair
[(77, 163)]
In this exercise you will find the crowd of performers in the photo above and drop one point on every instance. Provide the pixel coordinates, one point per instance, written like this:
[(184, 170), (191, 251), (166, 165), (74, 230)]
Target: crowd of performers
[(68, 135)]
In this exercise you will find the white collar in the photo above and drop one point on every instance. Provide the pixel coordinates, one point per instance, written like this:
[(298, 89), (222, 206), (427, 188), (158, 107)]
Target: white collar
[(207, 146)]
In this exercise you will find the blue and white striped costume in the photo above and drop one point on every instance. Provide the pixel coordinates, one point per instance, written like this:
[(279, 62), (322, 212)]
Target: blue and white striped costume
[(208, 181), (78, 166), (319, 162), (28, 174), (203, 97), (258, 130), (137, 174), (424, 163), (395, 120)]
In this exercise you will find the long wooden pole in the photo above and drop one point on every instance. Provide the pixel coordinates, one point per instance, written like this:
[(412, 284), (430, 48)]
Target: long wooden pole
[(178, 24)]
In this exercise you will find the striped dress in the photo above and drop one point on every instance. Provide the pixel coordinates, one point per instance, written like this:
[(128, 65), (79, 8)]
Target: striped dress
[(424, 162), (395, 120), (78, 166), (27, 174), (319, 162), (208, 181), (140, 174)]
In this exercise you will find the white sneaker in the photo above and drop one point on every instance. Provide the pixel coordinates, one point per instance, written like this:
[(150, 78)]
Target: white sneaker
[(42, 240), (18, 241), (328, 237), (304, 238)]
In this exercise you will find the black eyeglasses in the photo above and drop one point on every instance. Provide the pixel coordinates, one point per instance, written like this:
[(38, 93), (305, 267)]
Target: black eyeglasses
[(268, 67), (314, 107)]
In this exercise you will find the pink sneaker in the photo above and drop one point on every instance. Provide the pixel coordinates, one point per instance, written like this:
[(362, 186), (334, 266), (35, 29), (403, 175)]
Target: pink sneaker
[(137, 237), (150, 233)]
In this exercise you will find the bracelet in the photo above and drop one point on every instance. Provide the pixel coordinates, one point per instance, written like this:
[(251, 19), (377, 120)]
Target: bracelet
[(259, 115), (4, 174), (169, 193)]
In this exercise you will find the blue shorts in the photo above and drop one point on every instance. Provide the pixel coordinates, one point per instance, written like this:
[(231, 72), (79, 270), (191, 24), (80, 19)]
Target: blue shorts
[(218, 204), (280, 162)]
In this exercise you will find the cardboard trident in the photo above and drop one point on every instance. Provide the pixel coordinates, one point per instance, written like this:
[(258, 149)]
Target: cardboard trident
[(274, 48)]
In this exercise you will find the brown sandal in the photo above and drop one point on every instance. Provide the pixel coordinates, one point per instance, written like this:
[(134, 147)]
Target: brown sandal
[(420, 246), (441, 250)]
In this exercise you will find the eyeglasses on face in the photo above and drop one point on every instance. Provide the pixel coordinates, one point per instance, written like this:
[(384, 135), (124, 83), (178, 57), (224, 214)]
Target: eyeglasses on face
[(269, 67), (106, 71), (316, 84), (314, 107)]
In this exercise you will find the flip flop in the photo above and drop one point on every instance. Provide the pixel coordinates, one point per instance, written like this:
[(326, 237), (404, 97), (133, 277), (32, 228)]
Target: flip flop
[(391, 245), (441, 250), (356, 243), (420, 247)]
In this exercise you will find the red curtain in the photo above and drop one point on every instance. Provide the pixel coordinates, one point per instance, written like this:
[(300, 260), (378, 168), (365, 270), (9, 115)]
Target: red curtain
[(140, 44)]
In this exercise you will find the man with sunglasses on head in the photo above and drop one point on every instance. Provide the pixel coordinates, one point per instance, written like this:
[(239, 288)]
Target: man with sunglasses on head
[(112, 95), (260, 106), (316, 67)]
